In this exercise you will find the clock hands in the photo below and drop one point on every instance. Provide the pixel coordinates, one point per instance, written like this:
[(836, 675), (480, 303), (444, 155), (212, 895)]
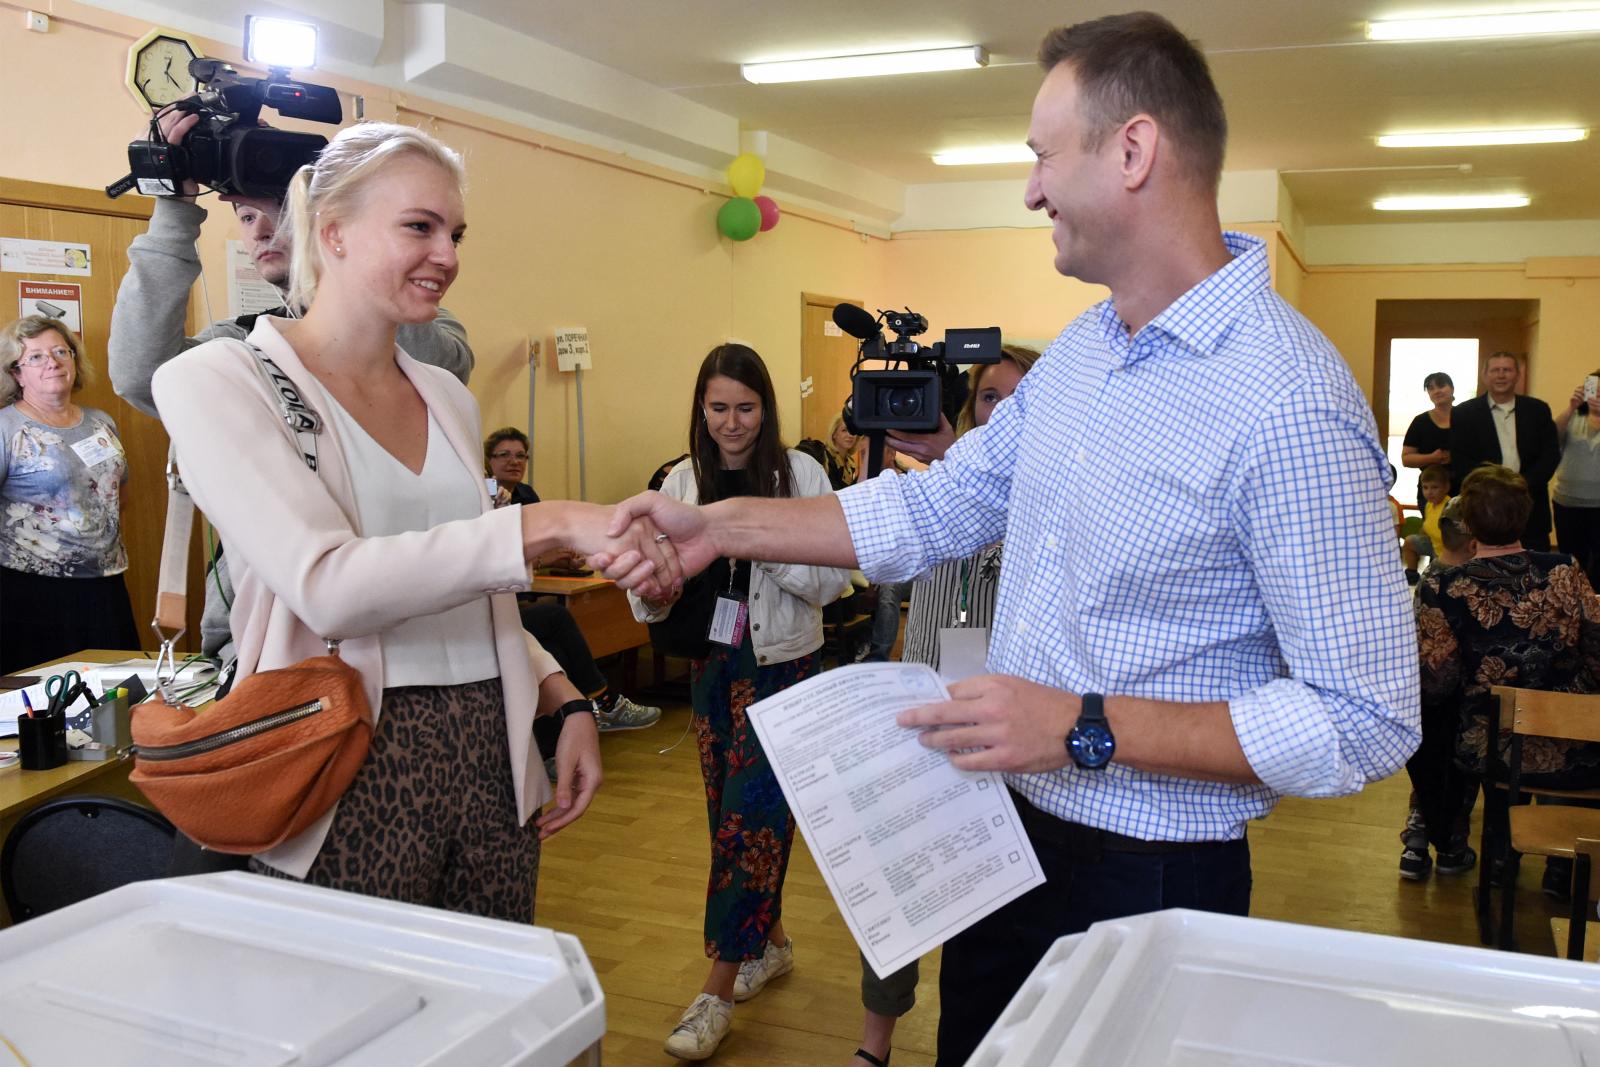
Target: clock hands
[(171, 79)]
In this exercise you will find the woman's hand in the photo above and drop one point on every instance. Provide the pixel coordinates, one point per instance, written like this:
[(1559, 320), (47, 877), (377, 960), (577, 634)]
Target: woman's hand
[(925, 447), (637, 556), (502, 497), (683, 526), (1577, 400), (577, 774)]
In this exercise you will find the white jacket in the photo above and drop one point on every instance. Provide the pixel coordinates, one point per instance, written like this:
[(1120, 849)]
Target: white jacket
[(786, 599)]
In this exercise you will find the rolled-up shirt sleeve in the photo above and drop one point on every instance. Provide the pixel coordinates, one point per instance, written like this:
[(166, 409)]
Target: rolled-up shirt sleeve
[(903, 524), (1310, 508)]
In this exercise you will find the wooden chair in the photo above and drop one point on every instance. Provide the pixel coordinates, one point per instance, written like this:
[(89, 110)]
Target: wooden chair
[(1577, 937), (1512, 829)]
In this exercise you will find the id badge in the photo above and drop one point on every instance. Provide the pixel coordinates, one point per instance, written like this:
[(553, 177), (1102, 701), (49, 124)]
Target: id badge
[(963, 652), (97, 449), (728, 620)]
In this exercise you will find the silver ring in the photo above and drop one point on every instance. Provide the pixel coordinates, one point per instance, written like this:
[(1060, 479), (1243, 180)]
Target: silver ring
[(660, 537)]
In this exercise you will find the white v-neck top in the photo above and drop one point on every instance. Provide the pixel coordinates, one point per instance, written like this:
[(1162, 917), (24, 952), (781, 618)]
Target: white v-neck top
[(453, 646)]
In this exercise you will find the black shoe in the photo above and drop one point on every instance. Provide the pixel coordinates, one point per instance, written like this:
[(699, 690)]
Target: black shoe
[(1412, 578), (1415, 864), (1460, 861)]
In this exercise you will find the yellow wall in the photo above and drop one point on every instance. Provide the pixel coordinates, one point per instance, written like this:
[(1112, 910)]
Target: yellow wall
[(1342, 301)]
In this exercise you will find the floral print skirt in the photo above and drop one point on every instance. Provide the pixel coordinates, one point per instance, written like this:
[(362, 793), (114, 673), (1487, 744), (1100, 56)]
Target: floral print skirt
[(751, 828)]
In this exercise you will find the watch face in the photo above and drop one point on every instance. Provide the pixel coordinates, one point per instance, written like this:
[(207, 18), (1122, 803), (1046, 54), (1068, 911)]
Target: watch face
[(161, 71), (1091, 745)]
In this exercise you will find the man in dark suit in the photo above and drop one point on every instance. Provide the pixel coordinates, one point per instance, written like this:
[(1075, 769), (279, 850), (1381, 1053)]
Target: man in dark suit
[(1501, 426)]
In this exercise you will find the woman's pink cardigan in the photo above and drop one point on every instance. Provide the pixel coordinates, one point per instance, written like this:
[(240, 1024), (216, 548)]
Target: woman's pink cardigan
[(302, 571)]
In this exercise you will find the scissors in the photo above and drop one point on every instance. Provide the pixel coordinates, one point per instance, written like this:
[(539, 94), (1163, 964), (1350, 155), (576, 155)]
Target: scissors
[(63, 690)]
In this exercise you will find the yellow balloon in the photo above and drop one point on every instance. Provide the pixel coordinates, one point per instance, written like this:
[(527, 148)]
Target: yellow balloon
[(746, 174)]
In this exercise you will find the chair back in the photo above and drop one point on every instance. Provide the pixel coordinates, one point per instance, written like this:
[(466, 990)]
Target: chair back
[(73, 848), (1575, 716), (1589, 847)]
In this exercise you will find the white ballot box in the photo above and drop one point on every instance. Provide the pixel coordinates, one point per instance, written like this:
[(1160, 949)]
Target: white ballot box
[(256, 972), (1188, 989)]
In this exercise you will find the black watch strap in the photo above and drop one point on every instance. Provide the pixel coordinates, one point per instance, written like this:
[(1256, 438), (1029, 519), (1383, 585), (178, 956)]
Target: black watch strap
[(1092, 708), (581, 706)]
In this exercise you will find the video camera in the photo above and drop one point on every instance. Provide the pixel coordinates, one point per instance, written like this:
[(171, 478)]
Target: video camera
[(908, 397), (228, 150)]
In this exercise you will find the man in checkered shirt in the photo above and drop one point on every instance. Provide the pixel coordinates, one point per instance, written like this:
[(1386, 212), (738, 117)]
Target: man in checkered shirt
[(1192, 495)]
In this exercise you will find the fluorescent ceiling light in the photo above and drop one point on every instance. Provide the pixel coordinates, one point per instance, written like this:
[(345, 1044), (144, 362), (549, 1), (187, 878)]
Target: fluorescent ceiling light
[(971, 157), (1504, 24), (967, 57), (1451, 203), (1473, 138), (279, 43)]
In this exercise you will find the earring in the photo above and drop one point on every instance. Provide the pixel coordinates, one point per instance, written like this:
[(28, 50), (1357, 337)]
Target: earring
[(338, 250)]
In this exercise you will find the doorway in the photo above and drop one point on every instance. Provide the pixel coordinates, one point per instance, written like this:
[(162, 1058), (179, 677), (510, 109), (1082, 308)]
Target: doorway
[(826, 355)]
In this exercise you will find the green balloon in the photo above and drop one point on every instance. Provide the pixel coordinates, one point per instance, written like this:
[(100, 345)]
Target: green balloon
[(739, 218)]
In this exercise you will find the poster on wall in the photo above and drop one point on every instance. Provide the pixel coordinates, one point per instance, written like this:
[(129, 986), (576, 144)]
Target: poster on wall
[(20, 256), (54, 300), (248, 292), (572, 348)]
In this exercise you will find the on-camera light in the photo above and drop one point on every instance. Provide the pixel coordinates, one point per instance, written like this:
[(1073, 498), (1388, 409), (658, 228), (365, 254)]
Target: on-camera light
[(280, 43)]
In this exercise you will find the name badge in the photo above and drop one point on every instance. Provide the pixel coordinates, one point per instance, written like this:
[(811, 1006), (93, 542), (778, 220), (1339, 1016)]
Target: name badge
[(963, 652), (728, 620), (97, 448)]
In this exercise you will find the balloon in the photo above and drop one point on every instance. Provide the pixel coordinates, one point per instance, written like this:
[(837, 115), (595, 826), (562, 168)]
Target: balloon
[(769, 212), (746, 174), (739, 219)]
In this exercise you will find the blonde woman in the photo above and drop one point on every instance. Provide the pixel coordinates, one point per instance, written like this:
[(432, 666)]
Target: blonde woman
[(62, 468), (390, 545)]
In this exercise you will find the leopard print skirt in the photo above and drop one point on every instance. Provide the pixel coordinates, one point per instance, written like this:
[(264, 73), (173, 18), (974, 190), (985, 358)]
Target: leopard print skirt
[(431, 817)]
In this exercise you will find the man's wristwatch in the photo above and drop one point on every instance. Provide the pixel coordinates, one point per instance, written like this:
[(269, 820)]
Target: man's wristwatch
[(1090, 743), (581, 706)]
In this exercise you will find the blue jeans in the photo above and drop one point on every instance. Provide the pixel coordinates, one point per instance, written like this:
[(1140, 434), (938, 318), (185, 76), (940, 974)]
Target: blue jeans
[(1087, 879), (886, 619)]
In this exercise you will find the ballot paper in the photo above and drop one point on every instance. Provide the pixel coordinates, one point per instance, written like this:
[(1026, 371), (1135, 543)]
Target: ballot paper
[(913, 850)]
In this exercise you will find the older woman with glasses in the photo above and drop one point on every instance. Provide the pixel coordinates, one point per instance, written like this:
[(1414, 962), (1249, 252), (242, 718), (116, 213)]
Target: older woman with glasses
[(61, 472)]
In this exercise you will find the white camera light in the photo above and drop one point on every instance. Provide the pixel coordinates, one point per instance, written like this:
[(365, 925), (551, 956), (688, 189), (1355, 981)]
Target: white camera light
[(283, 43)]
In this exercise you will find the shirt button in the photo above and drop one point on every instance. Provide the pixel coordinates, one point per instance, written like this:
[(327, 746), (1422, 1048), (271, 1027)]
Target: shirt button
[(1081, 456), (1050, 542), (756, 597), (756, 627), (1022, 628), (761, 659)]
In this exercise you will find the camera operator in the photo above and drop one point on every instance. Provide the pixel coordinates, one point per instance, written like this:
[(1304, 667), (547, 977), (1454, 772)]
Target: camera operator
[(147, 321)]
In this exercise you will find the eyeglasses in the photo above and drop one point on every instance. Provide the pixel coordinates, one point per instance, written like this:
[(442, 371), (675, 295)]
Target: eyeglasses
[(34, 359), (508, 455)]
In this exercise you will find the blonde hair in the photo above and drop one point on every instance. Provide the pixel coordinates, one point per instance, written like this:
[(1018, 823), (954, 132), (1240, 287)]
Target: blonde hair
[(26, 329), (1020, 355), (330, 188)]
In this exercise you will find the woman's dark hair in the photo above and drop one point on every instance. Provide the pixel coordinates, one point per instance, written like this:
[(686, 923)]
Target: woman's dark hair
[(1438, 377), (769, 459), (504, 433), (1495, 505)]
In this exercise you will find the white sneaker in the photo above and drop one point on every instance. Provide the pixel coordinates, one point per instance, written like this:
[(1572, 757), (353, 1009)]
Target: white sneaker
[(755, 974), (701, 1029)]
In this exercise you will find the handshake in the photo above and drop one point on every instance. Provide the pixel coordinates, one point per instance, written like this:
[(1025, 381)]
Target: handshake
[(649, 543)]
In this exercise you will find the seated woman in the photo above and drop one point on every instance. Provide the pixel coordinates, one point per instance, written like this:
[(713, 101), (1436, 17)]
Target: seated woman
[(1508, 616), (377, 533), (505, 459)]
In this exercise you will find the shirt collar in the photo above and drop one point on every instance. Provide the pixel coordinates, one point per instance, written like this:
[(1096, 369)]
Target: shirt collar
[(1199, 318), (1509, 405)]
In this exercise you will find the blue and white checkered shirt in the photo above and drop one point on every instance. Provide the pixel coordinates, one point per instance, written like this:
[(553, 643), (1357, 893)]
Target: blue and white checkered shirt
[(1196, 513)]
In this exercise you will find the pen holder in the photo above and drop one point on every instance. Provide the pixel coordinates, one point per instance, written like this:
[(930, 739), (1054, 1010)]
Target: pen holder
[(42, 741), (110, 727)]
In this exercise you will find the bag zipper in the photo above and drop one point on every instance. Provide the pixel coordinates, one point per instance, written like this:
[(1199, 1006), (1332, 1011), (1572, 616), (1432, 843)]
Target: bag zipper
[(243, 732)]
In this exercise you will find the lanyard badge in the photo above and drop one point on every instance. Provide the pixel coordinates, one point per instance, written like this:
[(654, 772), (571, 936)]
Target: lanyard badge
[(729, 616)]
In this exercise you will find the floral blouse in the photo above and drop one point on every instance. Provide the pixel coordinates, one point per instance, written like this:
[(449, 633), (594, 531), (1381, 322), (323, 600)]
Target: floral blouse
[(60, 496), (1528, 620)]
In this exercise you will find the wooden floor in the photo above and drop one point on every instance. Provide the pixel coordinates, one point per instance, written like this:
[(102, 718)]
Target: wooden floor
[(629, 879)]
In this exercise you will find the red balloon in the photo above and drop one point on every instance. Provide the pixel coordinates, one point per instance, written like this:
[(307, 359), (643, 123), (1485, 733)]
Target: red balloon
[(769, 212)]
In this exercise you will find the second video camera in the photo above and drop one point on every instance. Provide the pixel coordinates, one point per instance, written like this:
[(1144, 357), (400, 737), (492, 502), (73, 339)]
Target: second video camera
[(910, 396), (229, 150)]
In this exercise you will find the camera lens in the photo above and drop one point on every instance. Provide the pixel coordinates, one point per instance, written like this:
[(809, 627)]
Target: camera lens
[(904, 403)]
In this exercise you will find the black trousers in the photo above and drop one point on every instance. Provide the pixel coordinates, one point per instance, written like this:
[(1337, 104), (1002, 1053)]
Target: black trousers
[(553, 626), (48, 618), (1578, 532), (1444, 790), (1091, 876)]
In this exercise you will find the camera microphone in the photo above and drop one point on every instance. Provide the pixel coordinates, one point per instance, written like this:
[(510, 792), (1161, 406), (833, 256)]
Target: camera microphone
[(855, 321)]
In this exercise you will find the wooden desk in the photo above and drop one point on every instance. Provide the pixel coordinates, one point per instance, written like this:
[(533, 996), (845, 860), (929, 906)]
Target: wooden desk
[(602, 612), (21, 791)]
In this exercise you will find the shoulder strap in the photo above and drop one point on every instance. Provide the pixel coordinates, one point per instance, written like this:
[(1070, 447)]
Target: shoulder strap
[(172, 591)]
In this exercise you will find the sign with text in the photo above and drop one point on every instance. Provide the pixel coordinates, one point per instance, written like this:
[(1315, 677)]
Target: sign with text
[(19, 256), (572, 348), (248, 292), (54, 300)]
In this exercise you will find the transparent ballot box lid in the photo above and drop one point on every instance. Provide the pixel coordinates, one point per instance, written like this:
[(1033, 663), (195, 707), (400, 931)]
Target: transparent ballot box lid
[(1188, 989), (251, 971)]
